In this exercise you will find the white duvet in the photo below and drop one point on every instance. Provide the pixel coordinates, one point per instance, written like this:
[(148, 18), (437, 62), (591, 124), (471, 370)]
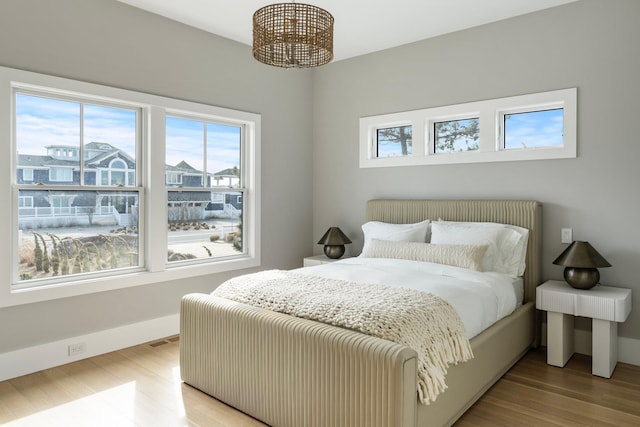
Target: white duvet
[(480, 298)]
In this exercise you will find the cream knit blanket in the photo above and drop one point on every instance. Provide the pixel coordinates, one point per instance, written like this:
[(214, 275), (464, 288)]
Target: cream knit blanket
[(419, 320)]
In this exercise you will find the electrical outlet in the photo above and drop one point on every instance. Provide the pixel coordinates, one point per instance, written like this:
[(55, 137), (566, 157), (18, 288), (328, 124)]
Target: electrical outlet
[(77, 348), (566, 236)]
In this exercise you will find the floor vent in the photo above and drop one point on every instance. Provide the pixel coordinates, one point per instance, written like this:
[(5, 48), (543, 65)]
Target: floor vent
[(165, 341)]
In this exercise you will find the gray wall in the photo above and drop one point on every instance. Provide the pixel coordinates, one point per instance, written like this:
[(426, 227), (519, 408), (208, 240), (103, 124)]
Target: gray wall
[(107, 42), (593, 45)]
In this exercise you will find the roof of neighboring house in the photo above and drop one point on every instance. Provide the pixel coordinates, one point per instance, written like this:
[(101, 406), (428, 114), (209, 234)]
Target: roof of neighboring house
[(102, 146), (184, 166), (113, 153), (227, 172), (30, 160)]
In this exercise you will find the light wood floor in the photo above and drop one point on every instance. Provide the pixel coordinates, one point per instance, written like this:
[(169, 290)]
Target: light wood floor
[(140, 386)]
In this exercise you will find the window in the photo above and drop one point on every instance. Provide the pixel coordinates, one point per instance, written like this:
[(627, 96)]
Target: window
[(117, 174), (60, 174), (204, 224), (27, 174), (25, 202), (173, 178), (456, 135), (532, 129), (94, 216), (393, 141), (71, 228), (527, 127)]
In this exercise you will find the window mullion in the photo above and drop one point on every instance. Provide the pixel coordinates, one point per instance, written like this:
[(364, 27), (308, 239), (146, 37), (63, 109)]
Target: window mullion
[(156, 189), (81, 150)]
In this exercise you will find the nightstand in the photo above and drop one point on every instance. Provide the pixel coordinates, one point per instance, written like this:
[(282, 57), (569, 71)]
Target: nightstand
[(605, 305), (318, 260)]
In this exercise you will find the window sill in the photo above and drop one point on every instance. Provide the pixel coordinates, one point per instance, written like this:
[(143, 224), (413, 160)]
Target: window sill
[(89, 286)]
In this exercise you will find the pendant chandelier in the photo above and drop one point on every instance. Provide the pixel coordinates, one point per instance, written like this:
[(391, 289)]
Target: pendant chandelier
[(292, 35)]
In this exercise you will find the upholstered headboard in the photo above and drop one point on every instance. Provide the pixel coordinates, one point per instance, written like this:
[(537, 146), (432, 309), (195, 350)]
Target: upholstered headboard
[(523, 213)]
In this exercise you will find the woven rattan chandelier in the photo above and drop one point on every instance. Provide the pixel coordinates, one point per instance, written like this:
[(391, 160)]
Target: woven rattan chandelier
[(292, 35)]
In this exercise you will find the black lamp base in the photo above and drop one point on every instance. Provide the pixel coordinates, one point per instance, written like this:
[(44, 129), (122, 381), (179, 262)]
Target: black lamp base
[(334, 251), (582, 278)]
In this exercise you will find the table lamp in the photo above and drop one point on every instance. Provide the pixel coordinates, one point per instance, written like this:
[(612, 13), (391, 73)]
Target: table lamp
[(581, 262), (334, 240)]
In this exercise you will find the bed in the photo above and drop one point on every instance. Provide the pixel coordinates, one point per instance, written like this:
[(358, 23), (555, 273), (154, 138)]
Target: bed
[(289, 371)]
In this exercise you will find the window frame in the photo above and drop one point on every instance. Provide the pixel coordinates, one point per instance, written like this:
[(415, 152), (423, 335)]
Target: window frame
[(489, 113), (151, 178)]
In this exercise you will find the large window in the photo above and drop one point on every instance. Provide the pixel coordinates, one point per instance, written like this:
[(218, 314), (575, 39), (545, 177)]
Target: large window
[(526, 127), (114, 188)]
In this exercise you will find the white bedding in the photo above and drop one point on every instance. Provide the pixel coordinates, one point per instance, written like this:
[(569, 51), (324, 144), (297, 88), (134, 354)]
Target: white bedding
[(480, 298)]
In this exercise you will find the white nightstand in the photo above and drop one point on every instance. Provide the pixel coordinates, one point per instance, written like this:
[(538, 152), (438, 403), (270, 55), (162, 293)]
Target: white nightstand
[(606, 305), (318, 260)]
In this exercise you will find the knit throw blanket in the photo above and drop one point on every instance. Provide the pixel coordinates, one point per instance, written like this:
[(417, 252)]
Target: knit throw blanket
[(419, 320)]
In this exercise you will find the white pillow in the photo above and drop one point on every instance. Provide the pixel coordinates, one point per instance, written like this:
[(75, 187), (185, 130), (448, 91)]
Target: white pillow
[(395, 232), (507, 243), (464, 256)]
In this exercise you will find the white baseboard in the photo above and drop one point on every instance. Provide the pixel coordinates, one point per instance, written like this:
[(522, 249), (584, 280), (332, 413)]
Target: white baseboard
[(628, 348), (33, 359)]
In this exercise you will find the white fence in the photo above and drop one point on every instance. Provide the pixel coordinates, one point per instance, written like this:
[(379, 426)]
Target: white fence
[(70, 216)]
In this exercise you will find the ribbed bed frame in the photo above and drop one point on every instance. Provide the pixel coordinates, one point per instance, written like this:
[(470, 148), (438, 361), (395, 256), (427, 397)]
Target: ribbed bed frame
[(295, 372)]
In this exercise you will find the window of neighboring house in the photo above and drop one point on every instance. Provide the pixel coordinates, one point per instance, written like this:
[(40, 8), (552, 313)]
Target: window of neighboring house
[(173, 178), (27, 174), (205, 224), (118, 174), (60, 174), (25, 202), (99, 221), (527, 127)]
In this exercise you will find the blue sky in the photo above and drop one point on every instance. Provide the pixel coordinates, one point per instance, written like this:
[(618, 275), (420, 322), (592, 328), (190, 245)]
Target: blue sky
[(534, 129), (43, 121), (185, 141)]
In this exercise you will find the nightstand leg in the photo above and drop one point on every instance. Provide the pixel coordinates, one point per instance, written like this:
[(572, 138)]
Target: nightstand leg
[(605, 347), (559, 338)]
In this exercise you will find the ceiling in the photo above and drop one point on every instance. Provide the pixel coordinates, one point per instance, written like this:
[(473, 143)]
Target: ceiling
[(361, 26)]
